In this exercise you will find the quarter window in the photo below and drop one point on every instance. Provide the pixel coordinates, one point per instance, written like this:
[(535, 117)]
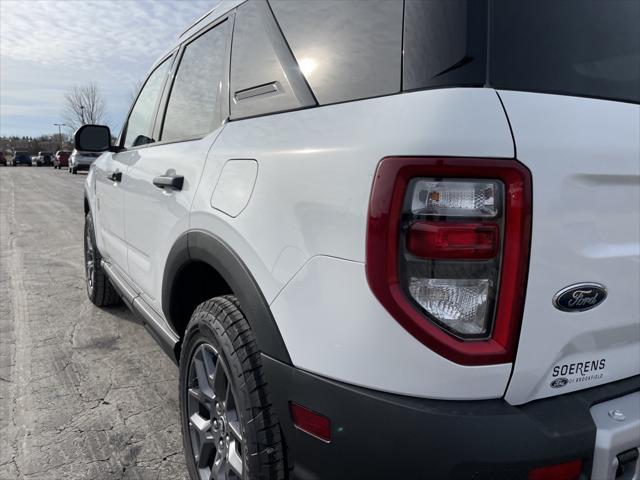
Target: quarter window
[(196, 100), (142, 115), (347, 49), (265, 77)]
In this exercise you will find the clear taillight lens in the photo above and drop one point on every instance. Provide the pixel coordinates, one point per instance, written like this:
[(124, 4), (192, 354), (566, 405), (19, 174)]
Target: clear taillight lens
[(460, 305), (454, 198), (450, 255), (448, 249)]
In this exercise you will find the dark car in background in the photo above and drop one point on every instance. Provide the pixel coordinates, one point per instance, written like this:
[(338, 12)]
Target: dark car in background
[(21, 158), (61, 159), (3, 159), (43, 158)]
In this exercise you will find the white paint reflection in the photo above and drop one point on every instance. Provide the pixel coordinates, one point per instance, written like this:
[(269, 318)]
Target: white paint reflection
[(307, 66)]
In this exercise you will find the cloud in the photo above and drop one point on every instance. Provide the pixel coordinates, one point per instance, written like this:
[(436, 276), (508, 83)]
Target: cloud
[(48, 46)]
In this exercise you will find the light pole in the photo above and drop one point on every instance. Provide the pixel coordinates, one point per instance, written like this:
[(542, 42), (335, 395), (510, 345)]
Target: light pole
[(60, 125), (82, 113)]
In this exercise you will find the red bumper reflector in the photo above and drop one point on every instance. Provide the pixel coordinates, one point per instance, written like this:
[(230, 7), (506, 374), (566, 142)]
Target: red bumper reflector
[(561, 471), (442, 240), (311, 422)]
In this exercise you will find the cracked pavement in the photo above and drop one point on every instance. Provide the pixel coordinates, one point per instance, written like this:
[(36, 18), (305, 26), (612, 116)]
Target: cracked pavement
[(84, 392)]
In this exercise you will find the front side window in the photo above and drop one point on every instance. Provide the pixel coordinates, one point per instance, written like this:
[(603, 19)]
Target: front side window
[(194, 106), (140, 124)]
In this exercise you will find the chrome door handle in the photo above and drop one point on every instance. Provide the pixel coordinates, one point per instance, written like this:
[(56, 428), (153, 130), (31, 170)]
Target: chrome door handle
[(169, 181)]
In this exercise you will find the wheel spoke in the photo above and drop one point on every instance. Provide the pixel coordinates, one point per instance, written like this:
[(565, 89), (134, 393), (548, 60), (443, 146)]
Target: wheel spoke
[(207, 451), (210, 364), (199, 424), (203, 379), (219, 468), (234, 428), (234, 459), (200, 397), (220, 382), (228, 396)]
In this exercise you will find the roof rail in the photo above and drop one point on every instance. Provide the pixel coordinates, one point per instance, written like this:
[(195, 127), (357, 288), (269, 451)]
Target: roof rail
[(193, 24), (220, 8)]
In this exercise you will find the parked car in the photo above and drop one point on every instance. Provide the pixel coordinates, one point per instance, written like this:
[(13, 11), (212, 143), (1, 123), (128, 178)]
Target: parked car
[(380, 248), (3, 159), (79, 160), (21, 158), (41, 159), (61, 159)]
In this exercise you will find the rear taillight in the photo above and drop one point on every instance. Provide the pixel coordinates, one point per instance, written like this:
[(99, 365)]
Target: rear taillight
[(447, 252)]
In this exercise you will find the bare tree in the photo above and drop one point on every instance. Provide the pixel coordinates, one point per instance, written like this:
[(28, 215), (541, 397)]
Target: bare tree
[(133, 92), (84, 104)]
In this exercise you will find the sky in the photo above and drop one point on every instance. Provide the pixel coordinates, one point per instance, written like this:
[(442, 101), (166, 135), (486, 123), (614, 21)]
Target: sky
[(48, 46)]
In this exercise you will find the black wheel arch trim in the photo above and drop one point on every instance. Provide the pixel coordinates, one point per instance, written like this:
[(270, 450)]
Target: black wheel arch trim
[(198, 245)]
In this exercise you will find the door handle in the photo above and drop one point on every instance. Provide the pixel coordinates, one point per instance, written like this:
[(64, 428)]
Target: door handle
[(114, 176), (169, 181)]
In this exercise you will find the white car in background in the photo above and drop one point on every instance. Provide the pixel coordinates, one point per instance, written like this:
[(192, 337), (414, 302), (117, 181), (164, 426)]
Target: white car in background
[(79, 160), (387, 239)]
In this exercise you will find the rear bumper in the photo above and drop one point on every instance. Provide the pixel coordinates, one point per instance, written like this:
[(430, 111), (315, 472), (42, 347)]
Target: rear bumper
[(81, 166), (378, 435)]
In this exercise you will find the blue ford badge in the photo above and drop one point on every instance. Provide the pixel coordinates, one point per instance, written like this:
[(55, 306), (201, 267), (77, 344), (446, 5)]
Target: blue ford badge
[(579, 297)]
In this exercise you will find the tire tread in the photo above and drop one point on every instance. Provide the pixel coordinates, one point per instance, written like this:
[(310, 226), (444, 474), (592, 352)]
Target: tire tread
[(104, 294), (225, 311)]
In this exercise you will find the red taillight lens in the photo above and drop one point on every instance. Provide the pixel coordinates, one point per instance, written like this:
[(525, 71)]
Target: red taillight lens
[(311, 422), (468, 241), (447, 252), (561, 471)]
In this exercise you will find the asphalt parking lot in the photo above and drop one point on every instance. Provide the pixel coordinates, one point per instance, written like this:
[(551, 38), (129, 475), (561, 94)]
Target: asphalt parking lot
[(84, 393)]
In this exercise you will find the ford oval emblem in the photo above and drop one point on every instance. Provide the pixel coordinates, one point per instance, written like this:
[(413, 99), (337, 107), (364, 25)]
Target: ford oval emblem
[(559, 382), (580, 297)]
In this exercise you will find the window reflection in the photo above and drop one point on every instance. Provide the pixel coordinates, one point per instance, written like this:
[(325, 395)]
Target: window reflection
[(141, 119), (193, 108)]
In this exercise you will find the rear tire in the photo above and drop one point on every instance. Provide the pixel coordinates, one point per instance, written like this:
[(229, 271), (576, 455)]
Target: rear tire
[(99, 288), (228, 423)]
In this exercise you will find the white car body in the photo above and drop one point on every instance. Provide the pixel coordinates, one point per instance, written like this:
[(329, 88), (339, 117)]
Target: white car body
[(290, 194), (81, 160)]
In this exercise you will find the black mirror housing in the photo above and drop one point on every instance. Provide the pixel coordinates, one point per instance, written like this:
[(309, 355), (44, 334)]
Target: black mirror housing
[(93, 138)]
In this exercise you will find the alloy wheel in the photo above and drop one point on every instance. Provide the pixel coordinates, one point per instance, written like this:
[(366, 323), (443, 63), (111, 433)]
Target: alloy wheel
[(214, 422), (89, 260)]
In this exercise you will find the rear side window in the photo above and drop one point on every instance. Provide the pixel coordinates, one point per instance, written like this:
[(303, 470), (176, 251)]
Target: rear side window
[(347, 49), (265, 77), (574, 47), (445, 43), (198, 92), (140, 123)]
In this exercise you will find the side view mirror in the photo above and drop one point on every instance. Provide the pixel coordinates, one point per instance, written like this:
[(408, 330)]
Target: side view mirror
[(93, 138)]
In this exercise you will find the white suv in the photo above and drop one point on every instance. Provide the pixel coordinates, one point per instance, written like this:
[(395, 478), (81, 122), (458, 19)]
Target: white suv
[(387, 239)]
